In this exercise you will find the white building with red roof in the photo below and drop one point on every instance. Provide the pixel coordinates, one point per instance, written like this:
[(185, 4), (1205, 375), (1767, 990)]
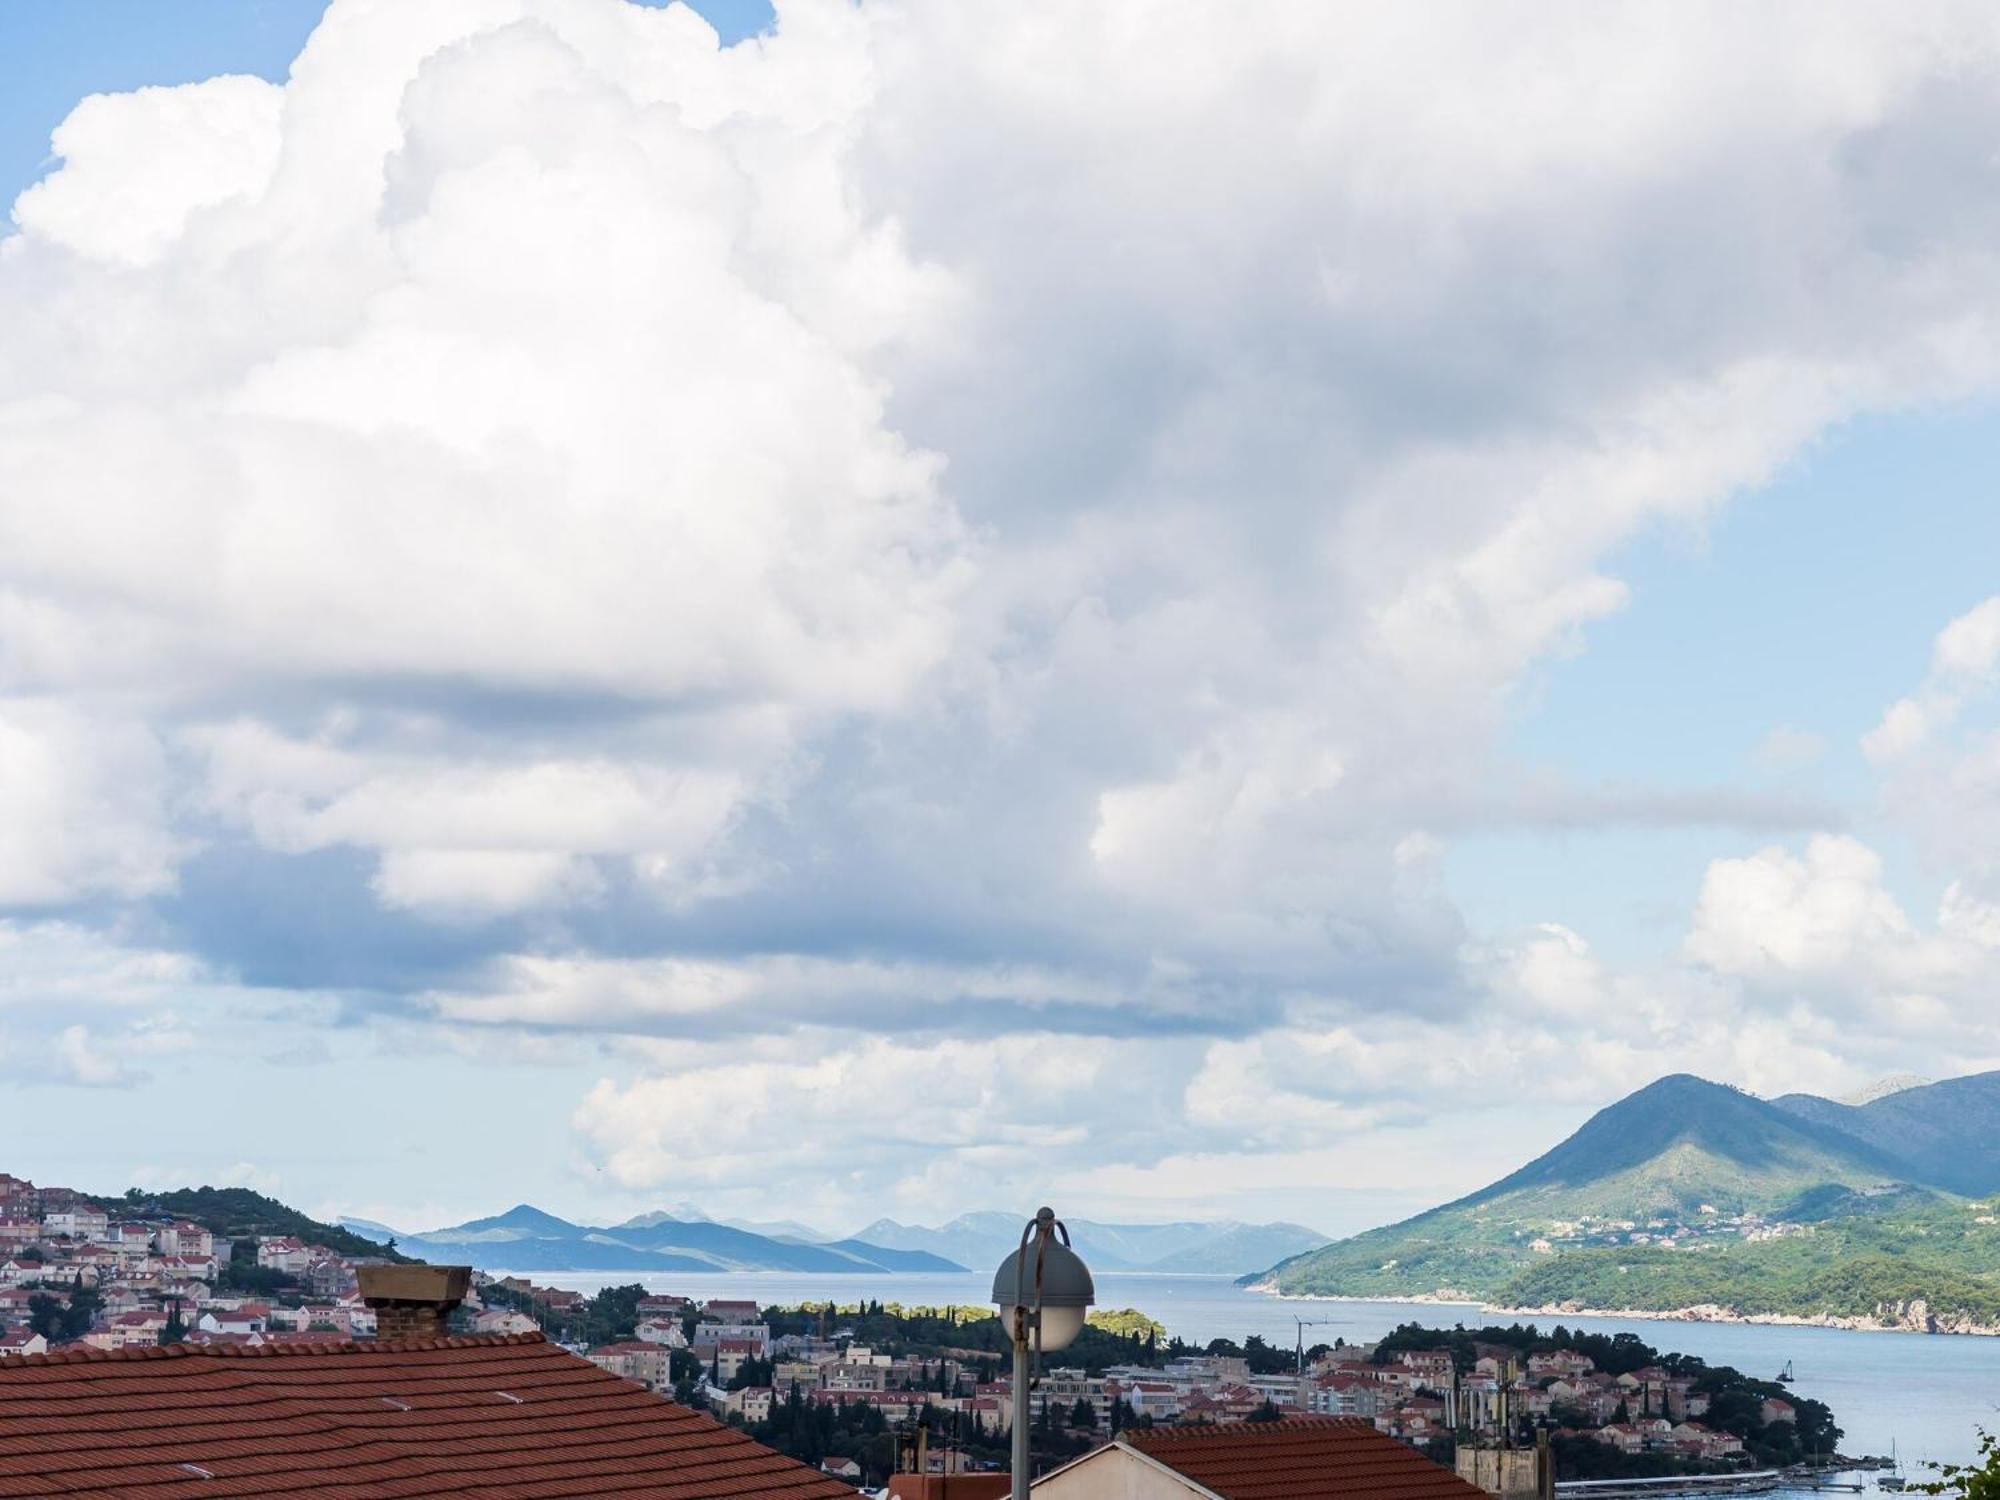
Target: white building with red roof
[(286, 1253)]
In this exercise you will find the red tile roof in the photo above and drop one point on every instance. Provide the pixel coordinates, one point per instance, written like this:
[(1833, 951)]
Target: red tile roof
[(506, 1416), (1301, 1458), (950, 1486)]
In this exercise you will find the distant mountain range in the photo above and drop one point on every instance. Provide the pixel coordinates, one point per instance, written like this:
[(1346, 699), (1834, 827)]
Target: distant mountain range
[(985, 1239), (683, 1239), (1689, 1193), (526, 1239)]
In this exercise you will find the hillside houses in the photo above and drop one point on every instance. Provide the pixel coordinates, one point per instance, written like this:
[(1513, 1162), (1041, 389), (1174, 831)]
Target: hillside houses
[(633, 1360), (116, 1280)]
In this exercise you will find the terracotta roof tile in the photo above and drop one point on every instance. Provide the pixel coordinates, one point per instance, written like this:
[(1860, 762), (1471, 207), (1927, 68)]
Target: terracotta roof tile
[(1300, 1458), (507, 1417)]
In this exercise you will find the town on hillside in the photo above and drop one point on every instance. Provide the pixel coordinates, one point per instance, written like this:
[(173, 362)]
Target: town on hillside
[(836, 1385), (74, 1271), (845, 1388)]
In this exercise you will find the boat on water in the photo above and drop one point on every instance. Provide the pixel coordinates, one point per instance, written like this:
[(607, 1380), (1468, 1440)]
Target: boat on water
[(1892, 1481), (1785, 1375)]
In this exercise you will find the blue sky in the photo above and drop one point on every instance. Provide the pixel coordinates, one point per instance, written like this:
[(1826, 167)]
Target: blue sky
[(1796, 608), (902, 617)]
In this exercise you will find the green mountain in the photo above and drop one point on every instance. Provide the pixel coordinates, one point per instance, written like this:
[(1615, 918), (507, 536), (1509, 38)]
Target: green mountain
[(1947, 1134), (1679, 1144), (1690, 1193)]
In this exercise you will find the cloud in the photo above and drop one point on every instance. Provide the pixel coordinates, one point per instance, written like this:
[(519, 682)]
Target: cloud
[(54, 967), (138, 167), (1818, 936), (81, 806), (465, 838), (950, 523), (779, 992), (1774, 911), (85, 1007), (612, 462), (857, 1113), (1939, 753), (81, 1061), (1965, 661)]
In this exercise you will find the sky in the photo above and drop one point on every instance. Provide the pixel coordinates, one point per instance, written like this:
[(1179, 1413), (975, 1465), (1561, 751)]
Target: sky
[(1235, 610)]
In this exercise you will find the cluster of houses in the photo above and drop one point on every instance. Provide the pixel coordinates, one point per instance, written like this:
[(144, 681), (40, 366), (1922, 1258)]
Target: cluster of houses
[(147, 1274), (1705, 1225), (830, 1369), (1416, 1395), (1419, 1394), (835, 1369)]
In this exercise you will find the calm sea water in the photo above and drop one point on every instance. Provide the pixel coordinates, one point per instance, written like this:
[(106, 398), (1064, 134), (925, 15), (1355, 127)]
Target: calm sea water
[(1923, 1395)]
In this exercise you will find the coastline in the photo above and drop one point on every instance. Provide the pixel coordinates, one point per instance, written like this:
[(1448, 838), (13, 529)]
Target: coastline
[(1916, 1320)]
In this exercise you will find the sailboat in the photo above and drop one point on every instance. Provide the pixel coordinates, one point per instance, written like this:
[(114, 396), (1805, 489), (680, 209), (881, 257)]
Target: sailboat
[(1893, 1480)]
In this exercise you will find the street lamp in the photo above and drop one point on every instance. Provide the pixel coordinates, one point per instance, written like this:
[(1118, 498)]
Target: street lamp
[(1042, 1290)]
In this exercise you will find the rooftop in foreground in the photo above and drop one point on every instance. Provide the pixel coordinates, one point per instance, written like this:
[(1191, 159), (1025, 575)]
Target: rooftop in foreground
[(506, 1416), (1301, 1458)]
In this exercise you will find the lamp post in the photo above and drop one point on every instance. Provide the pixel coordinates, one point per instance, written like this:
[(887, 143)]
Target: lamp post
[(1042, 1290)]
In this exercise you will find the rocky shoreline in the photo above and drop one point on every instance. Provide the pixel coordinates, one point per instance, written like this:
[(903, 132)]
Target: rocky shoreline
[(1914, 1316)]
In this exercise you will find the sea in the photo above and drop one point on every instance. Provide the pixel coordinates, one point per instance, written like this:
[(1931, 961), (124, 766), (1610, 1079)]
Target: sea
[(1920, 1398)]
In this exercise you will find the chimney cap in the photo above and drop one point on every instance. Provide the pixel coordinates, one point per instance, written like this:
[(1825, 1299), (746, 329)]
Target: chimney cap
[(441, 1286)]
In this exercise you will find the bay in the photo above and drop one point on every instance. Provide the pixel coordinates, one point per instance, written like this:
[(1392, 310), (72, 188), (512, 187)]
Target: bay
[(1923, 1395)]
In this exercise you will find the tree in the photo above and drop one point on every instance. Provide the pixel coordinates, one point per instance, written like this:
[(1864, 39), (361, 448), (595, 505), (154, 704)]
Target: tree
[(1980, 1481), (1083, 1416), (1265, 1411), (1126, 1322), (63, 1320), (45, 1315), (1569, 1414), (752, 1372), (1264, 1358), (176, 1330), (1737, 1411)]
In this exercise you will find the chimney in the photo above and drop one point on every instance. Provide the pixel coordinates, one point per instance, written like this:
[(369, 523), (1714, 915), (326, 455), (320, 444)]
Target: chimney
[(413, 1302)]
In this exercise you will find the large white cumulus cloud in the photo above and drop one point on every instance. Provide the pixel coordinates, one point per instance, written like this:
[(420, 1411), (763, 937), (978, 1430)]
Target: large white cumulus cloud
[(474, 359), (956, 519)]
